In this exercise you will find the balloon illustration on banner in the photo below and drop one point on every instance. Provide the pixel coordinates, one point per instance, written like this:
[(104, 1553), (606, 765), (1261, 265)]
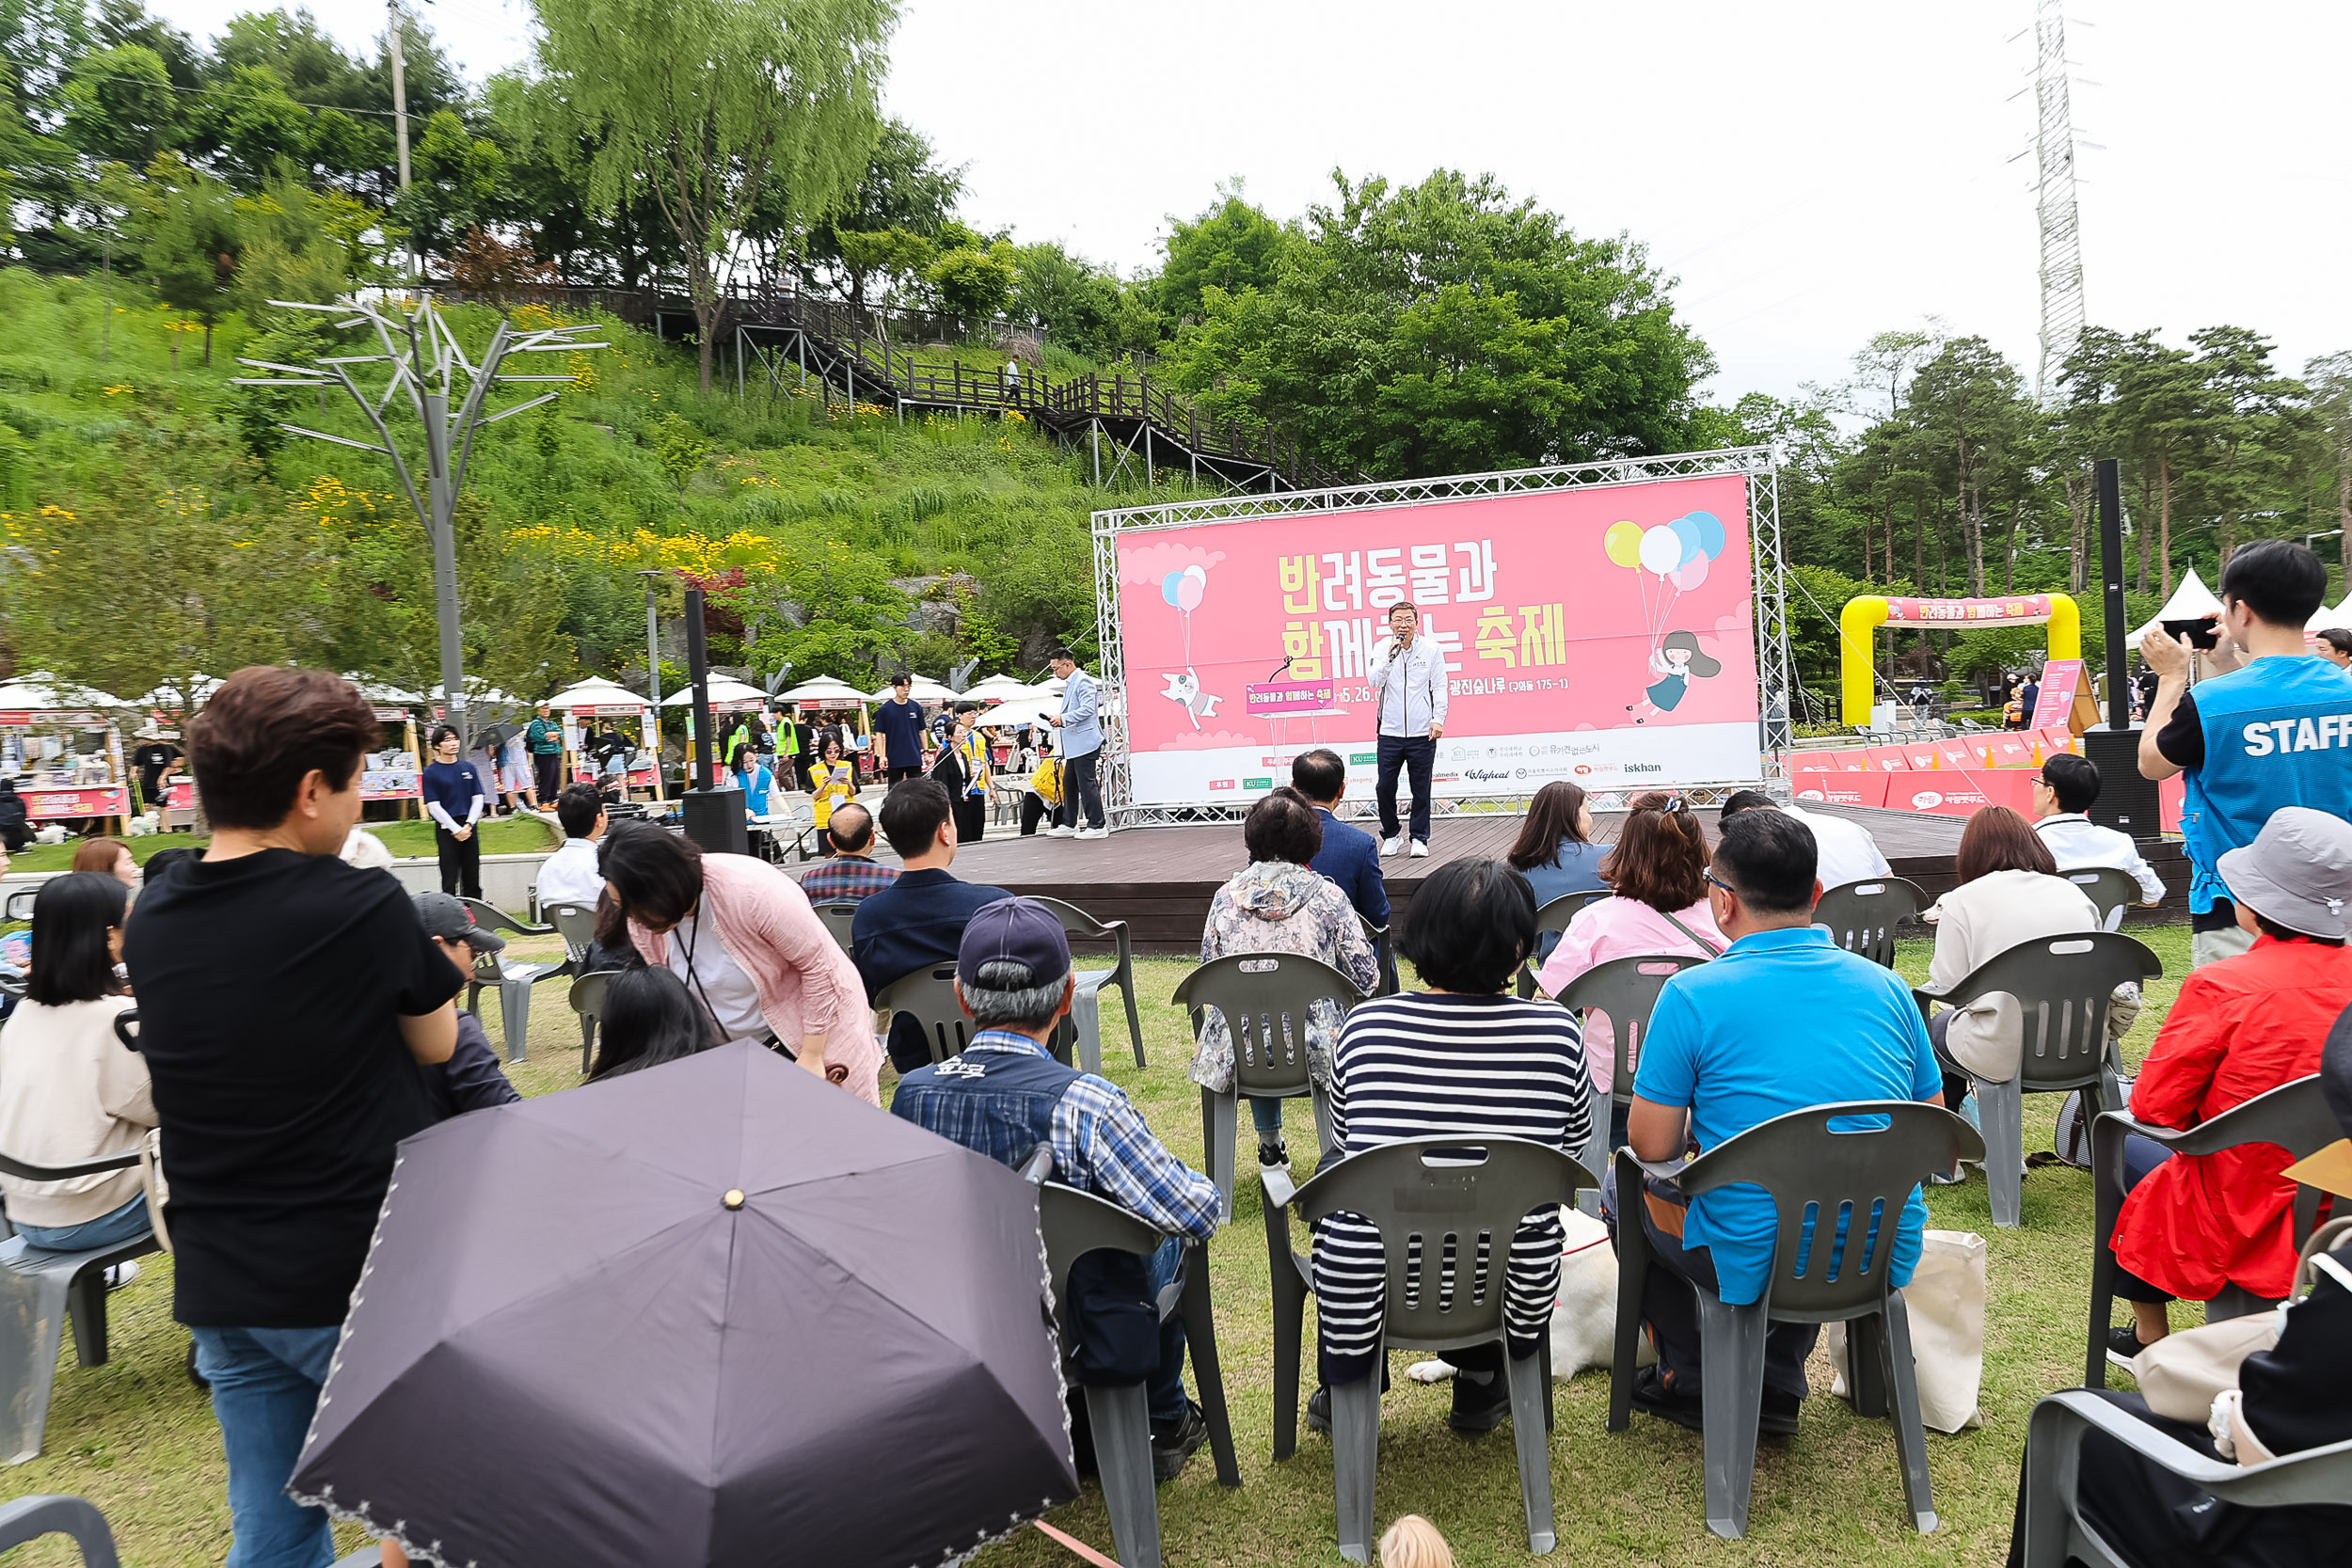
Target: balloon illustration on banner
[(1668, 560), (1184, 590)]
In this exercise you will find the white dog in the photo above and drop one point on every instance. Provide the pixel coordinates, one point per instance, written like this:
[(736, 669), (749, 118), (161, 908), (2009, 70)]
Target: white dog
[(1584, 1317), (53, 834), (143, 825)]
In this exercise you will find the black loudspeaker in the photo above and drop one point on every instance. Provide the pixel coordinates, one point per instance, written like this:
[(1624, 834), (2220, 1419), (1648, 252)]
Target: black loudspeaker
[(2127, 802), (714, 819)]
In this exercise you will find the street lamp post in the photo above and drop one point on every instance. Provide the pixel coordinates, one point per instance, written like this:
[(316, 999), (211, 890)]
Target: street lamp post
[(428, 367)]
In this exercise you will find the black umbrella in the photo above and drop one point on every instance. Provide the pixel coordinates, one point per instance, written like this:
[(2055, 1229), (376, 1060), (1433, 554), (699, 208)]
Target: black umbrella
[(715, 1312)]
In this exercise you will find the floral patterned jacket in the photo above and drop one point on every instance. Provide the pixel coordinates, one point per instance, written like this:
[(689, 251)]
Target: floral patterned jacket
[(1277, 906)]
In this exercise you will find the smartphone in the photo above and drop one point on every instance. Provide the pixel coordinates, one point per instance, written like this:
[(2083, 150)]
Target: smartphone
[(2205, 632)]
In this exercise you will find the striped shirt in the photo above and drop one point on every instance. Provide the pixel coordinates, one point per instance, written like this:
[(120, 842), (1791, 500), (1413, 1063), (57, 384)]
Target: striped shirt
[(1420, 1066)]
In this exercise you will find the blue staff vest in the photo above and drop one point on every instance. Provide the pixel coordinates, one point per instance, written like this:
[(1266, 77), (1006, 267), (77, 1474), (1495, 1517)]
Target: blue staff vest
[(2277, 733)]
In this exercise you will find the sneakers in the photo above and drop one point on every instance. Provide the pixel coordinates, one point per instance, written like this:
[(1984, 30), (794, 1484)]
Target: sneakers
[(1174, 1442), (1390, 847), (2124, 1345), (1061, 829), (1420, 850), (121, 1275), (1273, 1154), (1479, 1407), (1092, 833), (1651, 1394), (1319, 1411)]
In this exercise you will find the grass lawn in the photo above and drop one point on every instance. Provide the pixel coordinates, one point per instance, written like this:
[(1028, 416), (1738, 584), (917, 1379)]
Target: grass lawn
[(508, 835), (138, 1439)]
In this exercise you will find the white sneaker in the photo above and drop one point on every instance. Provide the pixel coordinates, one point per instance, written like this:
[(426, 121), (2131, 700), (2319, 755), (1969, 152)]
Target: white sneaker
[(1092, 833), (1420, 850), (1061, 833), (1388, 847), (121, 1275)]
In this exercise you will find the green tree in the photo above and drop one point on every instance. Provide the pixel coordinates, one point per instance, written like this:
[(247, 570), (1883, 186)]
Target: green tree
[(884, 256), (1970, 407), (681, 449), (2260, 424), (1445, 327), (120, 105), (973, 282), (190, 237), (713, 107), (252, 128), (903, 190), (830, 611), (1232, 245), (461, 182)]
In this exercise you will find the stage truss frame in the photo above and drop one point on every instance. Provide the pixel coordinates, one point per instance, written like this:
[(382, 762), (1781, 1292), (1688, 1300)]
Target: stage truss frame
[(1757, 464)]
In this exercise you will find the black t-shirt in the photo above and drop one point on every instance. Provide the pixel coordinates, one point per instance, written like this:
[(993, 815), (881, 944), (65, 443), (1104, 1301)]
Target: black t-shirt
[(151, 760), (2182, 741), (270, 989)]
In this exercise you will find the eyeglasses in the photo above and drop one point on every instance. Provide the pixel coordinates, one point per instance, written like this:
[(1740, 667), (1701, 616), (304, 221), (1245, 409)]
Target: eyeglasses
[(1713, 881)]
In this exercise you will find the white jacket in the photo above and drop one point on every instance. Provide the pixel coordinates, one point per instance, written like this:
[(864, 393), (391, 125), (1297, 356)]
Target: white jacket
[(70, 1091)]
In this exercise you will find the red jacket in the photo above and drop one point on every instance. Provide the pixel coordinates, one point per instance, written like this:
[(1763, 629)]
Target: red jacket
[(2241, 1028)]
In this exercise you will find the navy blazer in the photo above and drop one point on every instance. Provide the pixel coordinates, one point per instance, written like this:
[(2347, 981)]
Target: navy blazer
[(915, 923), (1351, 857)]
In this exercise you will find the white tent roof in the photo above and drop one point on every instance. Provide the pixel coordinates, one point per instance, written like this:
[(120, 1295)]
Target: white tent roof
[(2189, 601), (1015, 712), (723, 690), (372, 690), (595, 693), (2324, 617), (824, 688), (996, 688), (41, 690), (922, 690)]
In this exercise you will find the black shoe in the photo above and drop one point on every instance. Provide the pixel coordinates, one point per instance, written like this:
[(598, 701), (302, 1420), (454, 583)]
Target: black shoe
[(1479, 1408), (1273, 1154), (1778, 1416), (1174, 1442), (1651, 1394), (2124, 1344), (1319, 1411), (194, 1376)]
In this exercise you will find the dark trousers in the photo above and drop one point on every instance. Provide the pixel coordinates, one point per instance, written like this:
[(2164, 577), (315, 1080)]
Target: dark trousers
[(1081, 791), (1034, 809), (16, 835), (2155, 1519), (461, 861), (971, 819), (1418, 754), (1671, 1308), (548, 767), (2141, 1156), (900, 775)]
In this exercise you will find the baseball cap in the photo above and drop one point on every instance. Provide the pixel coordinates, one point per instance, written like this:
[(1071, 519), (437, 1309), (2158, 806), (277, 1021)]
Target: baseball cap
[(447, 916), (2298, 872), (1020, 931)]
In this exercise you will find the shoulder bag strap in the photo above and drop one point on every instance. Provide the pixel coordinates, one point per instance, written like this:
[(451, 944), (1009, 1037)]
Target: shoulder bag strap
[(1709, 948)]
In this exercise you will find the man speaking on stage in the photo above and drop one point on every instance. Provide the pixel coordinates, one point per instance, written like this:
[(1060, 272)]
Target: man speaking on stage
[(1409, 678)]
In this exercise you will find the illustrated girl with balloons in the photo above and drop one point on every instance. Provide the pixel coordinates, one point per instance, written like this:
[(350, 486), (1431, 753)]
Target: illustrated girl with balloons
[(1668, 560)]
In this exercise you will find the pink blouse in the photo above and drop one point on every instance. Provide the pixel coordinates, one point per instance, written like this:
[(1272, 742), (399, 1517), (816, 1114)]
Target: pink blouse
[(1619, 929)]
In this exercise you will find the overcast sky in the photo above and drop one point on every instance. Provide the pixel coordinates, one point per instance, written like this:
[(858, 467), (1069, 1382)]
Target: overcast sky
[(1812, 173)]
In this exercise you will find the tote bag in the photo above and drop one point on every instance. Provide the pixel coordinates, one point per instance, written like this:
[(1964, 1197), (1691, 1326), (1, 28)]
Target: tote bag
[(1945, 1301)]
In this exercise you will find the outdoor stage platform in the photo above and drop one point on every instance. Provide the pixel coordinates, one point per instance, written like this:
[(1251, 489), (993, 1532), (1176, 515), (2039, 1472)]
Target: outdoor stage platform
[(1160, 880)]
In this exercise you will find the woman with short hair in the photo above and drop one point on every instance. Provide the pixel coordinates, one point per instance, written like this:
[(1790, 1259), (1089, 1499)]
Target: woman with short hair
[(1462, 1058), (457, 801), (743, 937), (1656, 876), (69, 1091), (109, 857), (1278, 903)]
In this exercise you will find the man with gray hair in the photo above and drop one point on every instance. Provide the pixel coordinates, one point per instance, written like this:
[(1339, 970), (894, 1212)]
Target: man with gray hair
[(1006, 1095)]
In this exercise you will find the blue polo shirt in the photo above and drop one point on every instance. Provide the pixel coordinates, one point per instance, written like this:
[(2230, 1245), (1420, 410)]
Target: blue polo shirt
[(1784, 1021)]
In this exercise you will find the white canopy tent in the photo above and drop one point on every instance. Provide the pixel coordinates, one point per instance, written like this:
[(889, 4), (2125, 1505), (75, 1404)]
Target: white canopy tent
[(826, 692), (41, 691), (1017, 712), (722, 690), (372, 690), (596, 693), (2190, 600), (996, 688), (922, 690), (2324, 618)]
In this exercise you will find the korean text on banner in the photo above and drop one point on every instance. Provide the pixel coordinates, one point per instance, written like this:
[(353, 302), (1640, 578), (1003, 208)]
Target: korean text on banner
[(2060, 679), (1603, 635)]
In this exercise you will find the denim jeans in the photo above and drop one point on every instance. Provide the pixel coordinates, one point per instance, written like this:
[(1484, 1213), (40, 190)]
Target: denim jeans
[(265, 1385), (121, 1228), (1164, 1390), (1266, 1114), (1417, 756)]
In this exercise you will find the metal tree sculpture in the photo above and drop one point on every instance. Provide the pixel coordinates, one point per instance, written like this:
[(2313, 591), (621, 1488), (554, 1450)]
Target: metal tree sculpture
[(428, 369)]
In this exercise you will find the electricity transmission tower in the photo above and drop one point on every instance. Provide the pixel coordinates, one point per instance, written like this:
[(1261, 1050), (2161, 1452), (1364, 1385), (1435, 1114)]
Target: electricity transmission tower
[(2062, 241), (428, 367)]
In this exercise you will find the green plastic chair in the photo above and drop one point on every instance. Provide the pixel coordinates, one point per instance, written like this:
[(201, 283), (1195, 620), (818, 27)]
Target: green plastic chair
[(40, 1292), (929, 996), (2113, 891), (587, 999), (1554, 916), (2294, 1116), (836, 913), (1861, 916), (1085, 1002), (26, 1519), (1625, 990), (1433, 1201), (1264, 998), (512, 980), (1811, 1168), (2063, 986)]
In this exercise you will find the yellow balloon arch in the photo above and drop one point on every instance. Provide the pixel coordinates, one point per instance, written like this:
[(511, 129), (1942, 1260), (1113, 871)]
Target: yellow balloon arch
[(1862, 616)]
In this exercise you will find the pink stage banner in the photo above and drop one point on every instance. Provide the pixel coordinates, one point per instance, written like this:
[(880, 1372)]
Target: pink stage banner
[(1848, 761), (2016, 610), (1604, 635), (1958, 753), (89, 801), (1843, 788), (1963, 794), (1888, 759)]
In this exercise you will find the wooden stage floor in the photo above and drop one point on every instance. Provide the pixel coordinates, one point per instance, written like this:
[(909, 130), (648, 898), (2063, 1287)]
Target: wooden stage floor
[(1160, 880)]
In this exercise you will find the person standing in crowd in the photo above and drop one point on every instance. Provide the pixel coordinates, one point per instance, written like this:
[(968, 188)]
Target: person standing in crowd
[(962, 766), (570, 876), (2266, 733), (456, 799), (1080, 722), (1716, 1062), (2335, 647), (1656, 876), (1460, 1058), (2067, 788), (918, 922), (158, 762), (472, 1079), (901, 732), (2009, 891), (1349, 856), (1278, 903), (544, 738), (1042, 800), (69, 1091), (285, 1000), (16, 827), (1555, 851), (757, 783), (1845, 851), (489, 759), (1408, 680), (833, 782), (2029, 697), (1006, 1095), (2193, 1225), (515, 769), (740, 934), (851, 870)]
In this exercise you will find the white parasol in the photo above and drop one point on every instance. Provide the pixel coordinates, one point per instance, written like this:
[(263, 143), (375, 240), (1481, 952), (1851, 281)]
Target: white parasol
[(723, 690)]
